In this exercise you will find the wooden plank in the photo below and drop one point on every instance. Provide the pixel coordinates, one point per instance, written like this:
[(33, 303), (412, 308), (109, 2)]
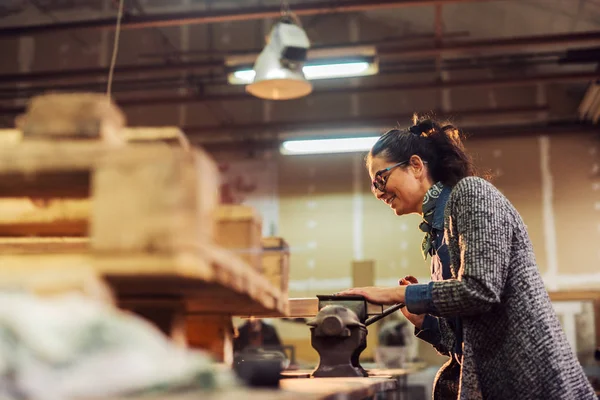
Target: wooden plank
[(309, 307), (411, 368), (341, 388), (147, 197), (153, 133), (70, 273), (46, 185), (159, 206), (41, 245), (301, 389), (574, 295), (11, 137), (54, 217), (60, 169), (72, 115), (191, 275)]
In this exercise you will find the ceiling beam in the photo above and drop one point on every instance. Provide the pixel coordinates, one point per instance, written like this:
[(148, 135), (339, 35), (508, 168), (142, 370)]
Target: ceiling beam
[(471, 46), (222, 15), (329, 124), (472, 83)]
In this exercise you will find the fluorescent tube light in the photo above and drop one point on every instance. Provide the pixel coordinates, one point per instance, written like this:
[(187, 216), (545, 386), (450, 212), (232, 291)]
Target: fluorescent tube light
[(324, 146), (316, 71), (344, 70)]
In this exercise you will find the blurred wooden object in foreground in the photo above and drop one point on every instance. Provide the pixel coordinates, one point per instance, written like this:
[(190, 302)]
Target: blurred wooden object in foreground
[(80, 201)]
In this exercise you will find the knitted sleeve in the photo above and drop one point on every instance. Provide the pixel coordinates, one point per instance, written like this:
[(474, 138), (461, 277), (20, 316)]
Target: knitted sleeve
[(479, 235)]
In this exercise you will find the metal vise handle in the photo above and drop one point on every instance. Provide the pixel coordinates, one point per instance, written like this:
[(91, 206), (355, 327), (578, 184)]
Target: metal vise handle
[(385, 313)]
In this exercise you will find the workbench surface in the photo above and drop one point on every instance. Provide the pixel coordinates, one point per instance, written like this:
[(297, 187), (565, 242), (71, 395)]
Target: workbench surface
[(410, 368), (292, 389)]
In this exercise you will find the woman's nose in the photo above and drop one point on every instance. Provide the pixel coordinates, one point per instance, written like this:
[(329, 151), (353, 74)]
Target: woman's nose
[(378, 193)]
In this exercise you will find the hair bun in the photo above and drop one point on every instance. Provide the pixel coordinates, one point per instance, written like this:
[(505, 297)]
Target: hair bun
[(415, 130)]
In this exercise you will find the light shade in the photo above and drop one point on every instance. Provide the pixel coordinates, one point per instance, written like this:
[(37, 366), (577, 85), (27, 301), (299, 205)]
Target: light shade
[(324, 146), (278, 68), (273, 81)]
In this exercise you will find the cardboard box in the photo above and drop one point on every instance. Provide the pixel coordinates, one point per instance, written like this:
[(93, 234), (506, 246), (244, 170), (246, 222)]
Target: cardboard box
[(239, 229), (276, 262)]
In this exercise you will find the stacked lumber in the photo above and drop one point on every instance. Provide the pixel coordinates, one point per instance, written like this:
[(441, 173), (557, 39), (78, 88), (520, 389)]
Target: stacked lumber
[(83, 199)]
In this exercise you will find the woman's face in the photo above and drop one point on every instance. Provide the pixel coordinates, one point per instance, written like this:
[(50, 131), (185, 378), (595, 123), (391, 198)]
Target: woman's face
[(404, 185)]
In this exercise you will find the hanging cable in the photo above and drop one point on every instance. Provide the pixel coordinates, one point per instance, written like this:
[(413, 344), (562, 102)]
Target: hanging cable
[(113, 60)]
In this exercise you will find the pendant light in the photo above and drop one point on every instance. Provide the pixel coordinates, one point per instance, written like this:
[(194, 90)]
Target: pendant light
[(278, 71)]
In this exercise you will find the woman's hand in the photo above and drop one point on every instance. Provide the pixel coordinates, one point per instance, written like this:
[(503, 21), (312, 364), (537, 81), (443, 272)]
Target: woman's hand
[(377, 295), (415, 319)]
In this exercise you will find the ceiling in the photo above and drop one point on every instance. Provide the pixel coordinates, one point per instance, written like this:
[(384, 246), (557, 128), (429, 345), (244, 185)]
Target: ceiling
[(496, 67)]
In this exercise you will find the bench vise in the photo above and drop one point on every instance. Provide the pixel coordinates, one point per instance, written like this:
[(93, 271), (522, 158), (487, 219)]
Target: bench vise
[(339, 334)]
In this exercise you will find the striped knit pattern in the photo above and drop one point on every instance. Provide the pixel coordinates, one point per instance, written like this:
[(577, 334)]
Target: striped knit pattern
[(513, 344)]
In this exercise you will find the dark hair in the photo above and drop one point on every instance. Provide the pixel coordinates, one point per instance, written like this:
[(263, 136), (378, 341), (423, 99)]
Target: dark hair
[(440, 145)]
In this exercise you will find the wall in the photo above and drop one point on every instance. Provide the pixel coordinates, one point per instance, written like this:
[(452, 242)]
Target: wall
[(329, 216)]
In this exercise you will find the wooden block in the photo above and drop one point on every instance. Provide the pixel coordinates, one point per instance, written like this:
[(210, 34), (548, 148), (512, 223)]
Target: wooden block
[(276, 262), (43, 245), (163, 205), (144, 197), (213, 333), (61, 169), (74, 116), (363, 273), (239, 229), (10, 137), (308, 307), (44, 217), (54, 281)]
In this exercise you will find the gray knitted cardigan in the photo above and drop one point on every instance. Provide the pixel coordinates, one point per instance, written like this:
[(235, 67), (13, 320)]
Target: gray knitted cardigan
[(513, 345)]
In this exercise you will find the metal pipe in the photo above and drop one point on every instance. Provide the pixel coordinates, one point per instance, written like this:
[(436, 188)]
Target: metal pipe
[(355, 122), (386, 41), (222, 15), (487, 45), (207, 80), (90, 73), (478, 83)]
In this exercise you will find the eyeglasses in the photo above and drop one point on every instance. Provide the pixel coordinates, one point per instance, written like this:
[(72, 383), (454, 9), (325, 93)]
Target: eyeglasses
[(380, 181)]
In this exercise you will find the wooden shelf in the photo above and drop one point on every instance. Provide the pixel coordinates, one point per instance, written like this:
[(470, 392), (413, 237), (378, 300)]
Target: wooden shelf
[(206, 280), (150, 212)]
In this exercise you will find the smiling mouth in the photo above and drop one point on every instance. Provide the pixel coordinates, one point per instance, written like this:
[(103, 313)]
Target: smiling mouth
[(389, 201)]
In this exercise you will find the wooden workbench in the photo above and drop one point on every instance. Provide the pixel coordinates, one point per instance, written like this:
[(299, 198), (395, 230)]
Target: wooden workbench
[(298, 389), (398, 375)]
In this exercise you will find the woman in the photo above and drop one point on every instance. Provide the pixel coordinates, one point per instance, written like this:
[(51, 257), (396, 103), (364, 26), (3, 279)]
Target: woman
[(486, 307)]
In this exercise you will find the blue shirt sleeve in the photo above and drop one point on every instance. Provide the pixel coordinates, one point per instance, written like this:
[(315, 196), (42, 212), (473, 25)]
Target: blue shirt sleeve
[(430, 330), (418, 298)]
